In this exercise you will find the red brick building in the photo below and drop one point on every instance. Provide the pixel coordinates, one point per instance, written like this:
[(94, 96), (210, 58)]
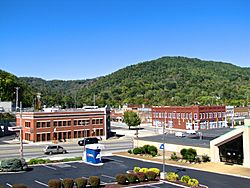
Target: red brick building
[(189, 117), (64, 124)]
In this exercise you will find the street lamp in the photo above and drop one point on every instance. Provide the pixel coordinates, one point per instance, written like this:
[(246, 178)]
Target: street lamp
[(17, 88)]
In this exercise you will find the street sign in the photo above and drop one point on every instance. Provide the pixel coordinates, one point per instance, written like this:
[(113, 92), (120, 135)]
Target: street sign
[(162, 146)]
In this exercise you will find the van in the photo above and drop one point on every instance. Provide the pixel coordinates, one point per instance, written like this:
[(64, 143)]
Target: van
[(179, 134)]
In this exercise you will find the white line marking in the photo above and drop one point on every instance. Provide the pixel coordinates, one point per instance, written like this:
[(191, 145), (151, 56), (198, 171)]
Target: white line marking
[(73, 166), (108, 176), (149, 185), (178, 185), (49, 167), (41, 183), (8, 185)]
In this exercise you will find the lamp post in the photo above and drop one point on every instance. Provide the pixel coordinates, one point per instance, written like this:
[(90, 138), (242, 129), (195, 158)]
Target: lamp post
[(163, 173)]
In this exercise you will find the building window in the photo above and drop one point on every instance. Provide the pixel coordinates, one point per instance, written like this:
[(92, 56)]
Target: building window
[(186, 115), (27, 124), (27, 136), (38, 124), (215, 114), (201, 116), (64, 123), (173, 115), (55, 123), (219, 114), (48, 136), (43, 124), (38, 137), (69, 123), (101, 132), (75, 122), (59, 123), (48, 124), (190, 116), (195, 115)]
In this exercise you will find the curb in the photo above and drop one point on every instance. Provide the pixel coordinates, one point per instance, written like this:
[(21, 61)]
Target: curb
[(192, 168)]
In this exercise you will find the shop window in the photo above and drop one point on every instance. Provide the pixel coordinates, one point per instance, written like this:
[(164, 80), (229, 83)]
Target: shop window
[(69, 135), (38, 137), (43, 137), (101, 132), (75, 134), (48, 136)]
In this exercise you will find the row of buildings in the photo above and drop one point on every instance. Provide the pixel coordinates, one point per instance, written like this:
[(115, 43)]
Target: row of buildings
[(63, 124)]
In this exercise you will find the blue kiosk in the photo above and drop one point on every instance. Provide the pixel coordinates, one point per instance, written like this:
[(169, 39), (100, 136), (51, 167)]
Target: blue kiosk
[(92, 155)]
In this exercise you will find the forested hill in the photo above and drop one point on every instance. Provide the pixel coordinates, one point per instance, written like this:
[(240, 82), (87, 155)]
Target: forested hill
[(8, 84), (164, 81), (173, 81)]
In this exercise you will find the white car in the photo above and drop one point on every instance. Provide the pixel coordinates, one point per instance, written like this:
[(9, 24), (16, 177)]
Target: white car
[(191, 132), (179, 134)]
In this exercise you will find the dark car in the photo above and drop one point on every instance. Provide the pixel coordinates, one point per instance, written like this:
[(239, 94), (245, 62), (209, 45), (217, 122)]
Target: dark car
[(88, 141), (54, 149)]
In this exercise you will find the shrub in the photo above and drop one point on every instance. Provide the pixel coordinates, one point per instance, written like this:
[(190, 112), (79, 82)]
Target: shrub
[(145, 149), (137, 151), (144, 170), (81, 182), (185, 179), (121, 179), (54, 183), (131, 177), (150, 175), (141, 176), (189, 154), (205, 158), (68, 183), (130, 151), (19, 186), (193, 182), (11, 165), (172, 176), (94, 181), (136, 169), (174, 156), (153, 150), (156, 170)]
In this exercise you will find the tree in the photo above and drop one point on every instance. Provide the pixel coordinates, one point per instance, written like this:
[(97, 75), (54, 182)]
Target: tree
[(131, 119)]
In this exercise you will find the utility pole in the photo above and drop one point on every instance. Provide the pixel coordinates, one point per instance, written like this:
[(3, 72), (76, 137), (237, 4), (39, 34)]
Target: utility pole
[(21, 133), (17, 88), (163, 173), (94, 99)]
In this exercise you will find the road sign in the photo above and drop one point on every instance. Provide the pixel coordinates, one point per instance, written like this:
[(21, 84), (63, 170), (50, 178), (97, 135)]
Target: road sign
[(162, 146)]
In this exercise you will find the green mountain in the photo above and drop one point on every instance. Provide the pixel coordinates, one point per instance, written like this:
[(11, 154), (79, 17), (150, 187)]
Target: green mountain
[(164, 81), (173, 81)]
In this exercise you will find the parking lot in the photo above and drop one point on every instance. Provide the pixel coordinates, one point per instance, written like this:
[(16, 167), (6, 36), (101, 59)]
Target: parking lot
[(40, 175)]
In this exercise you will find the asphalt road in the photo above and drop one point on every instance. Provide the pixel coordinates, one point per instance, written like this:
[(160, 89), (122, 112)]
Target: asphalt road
[(39, 176)]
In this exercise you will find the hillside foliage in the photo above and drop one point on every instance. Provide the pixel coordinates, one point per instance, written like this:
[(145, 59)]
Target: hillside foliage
[(164, 81)]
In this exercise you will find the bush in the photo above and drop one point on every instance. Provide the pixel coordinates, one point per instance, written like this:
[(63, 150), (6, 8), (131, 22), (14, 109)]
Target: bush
[(185, 179), (54, 183), (11, 165), (19, 186), (137, 151), (193, 182), (141, 176), (131, 177), (81, 182), (172, 176), (174, 156), (153, 150), (144, 170), (130, 151), (150, 175), (121, 179), (156, 170), (205, 158), (68, 183), (136, 169), (189, 154), (94, 181), (145, 149)]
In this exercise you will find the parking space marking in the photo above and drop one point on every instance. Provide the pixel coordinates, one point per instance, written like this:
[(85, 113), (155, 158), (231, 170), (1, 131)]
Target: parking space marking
[(73, 166), (108, 176), (8, 185), (41, 183), (148, 185), (50, 167)]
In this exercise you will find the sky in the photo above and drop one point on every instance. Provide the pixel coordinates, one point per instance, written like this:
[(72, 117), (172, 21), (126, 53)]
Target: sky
[(81, 39)]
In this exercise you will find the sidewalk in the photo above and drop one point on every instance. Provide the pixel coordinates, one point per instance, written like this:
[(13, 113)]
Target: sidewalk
[(220, 168)]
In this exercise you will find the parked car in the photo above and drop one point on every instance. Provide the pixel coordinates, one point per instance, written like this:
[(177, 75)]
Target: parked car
[(54, 149), (191, 132), (93, 140)]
